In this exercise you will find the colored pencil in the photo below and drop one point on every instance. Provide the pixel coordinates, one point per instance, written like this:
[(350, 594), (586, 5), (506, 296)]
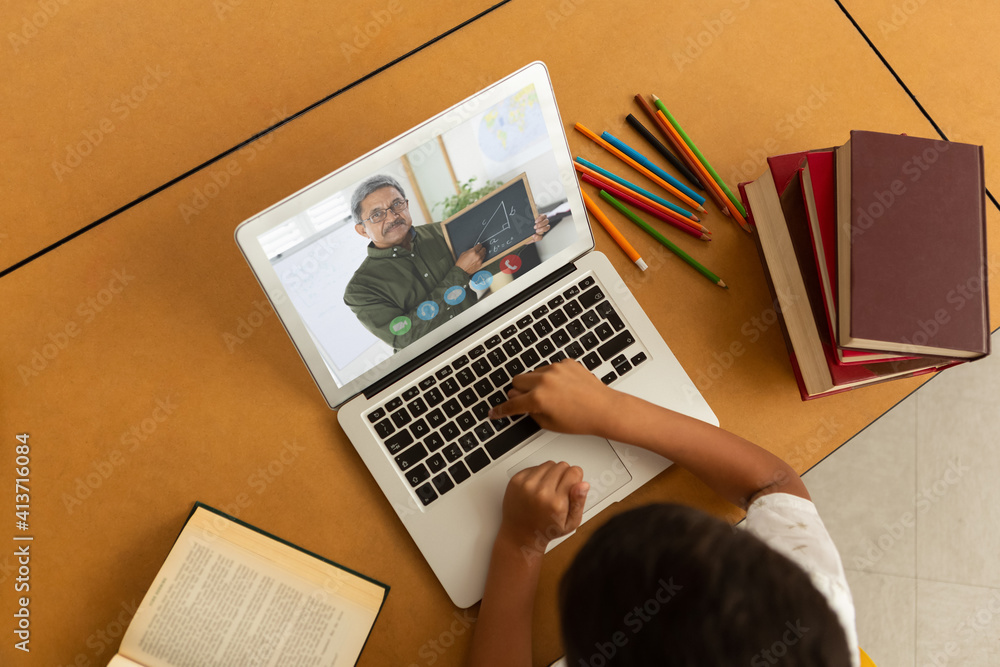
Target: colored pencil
[(723, 202), (629, 199), (622, 242), (652, 166), (635, 188), (694, 149), (664, 151), (696, 224), (662, 239), (582, 129), (685, 155)]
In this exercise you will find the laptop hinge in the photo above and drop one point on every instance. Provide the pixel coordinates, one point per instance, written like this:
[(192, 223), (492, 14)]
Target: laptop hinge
[(462, 334)]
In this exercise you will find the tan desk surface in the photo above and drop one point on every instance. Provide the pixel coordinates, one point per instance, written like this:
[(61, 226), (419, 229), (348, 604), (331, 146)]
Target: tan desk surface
[(153, 301)]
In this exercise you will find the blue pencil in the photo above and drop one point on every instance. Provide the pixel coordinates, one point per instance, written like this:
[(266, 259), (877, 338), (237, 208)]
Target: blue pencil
[(635, 188), (648, 164)]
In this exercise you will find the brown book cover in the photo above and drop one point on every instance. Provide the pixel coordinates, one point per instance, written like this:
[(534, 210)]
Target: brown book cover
[(912, 246)]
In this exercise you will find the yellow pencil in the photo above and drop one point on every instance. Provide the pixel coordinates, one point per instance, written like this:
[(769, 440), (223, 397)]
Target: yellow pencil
[(613, 231)]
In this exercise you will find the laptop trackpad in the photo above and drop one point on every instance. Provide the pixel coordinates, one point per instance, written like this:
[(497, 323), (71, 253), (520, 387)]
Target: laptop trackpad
[(601, 465)]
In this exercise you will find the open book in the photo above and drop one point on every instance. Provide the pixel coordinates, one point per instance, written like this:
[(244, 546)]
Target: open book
[(231, 595)]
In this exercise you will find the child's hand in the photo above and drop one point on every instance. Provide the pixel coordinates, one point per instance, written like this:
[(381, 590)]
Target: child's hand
[(541, 504), (563, 397)]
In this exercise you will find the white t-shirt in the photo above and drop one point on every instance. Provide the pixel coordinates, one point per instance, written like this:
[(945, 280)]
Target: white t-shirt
[(791, 526)]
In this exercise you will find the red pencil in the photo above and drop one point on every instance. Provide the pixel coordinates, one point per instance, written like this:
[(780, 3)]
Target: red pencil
[(626, 197)]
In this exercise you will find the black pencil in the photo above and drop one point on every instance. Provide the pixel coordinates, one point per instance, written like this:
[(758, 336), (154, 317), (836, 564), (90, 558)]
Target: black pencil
[(655, 143)]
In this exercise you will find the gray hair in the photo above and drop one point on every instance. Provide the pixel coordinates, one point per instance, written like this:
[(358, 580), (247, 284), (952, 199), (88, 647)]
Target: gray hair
[(369, 186)]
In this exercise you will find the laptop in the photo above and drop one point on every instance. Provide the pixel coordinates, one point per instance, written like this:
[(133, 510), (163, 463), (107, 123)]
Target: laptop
[(412, 339)]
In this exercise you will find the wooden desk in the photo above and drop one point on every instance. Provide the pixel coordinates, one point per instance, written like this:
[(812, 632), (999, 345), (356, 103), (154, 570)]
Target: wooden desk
[(139, 403)]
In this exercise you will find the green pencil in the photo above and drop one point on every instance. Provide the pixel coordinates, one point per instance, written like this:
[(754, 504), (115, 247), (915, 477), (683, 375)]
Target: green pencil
[(662, 239), (694, 149)]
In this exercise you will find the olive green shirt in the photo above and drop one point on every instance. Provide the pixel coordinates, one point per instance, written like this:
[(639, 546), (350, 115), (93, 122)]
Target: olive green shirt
[(394, 281)]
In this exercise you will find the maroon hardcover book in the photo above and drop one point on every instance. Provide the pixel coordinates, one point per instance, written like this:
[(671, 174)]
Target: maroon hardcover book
[(912, 246)]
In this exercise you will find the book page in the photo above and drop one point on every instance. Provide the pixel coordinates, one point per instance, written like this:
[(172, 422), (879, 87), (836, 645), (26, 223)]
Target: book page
[(121, 661), (229, 596)]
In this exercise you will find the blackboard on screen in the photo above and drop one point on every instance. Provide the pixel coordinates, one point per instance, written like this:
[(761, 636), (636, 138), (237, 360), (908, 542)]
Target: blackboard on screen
[(502, 221)]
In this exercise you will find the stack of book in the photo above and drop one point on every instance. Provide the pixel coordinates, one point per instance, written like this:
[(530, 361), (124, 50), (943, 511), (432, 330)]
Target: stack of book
[(875, 254)]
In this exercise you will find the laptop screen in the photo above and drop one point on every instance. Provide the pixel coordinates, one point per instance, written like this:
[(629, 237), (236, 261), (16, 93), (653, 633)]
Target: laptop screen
[(389, 255)]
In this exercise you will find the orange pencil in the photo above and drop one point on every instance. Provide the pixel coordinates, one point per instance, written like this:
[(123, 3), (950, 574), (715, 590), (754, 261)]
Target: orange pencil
[(613, 231), (629, 199), (720, 196), (582, 129), (617, 187), (688, 160)]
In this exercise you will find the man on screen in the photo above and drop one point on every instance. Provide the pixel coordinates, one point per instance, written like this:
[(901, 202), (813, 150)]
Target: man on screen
[(409, 284)]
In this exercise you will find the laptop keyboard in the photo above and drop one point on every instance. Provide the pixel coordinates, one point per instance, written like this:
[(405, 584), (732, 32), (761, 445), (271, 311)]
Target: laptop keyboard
[(437, 430)]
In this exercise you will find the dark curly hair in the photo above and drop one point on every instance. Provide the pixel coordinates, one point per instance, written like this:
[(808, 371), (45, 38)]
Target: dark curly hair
[(670, 585)]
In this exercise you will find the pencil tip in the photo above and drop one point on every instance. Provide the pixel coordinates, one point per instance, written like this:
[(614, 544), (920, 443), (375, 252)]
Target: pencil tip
[(722, 284), (705, 237), (655, 98)]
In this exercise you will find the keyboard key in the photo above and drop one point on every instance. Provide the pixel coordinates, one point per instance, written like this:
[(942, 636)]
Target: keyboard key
[(586, 282), (465, 377), (484, 432), (384, 428), (589, 340), (435, 463), (496, 357), (527, 337), (604, 331), (499, 377), (468, 397), (449, 386), (615, 322), (452, 408), (477, 460), (411, 393), (461, 361), (481, 367), (514, 367), (397, 443), (511, 437), (530, 358), (556, 302), (452, 453), (540, 311), (639, 358), (450, 431), (493, 341), (410, 456), (443, 483), (591, 319), (465, 420), (433, 442), (575, 328), (435, 418), (609, 378), (591, 361), (477, 351), (615, 345), (427, 494), (624, 368), (417, 407), (574, 350), (571, 292), (560, 337), (512, 347), (497, 398), (605, 308), (542, 328), (482, 410), (443, 373), (427, 382), (509, 331), (618, 360), (557, 357), (590, 297), (523, 322), (393, 404), (545, 347), (419, 428), (558, 318), (401, 417), (459, 472), (468, 442), (433, 397), (500, 424), (417, 474), (376, 415)]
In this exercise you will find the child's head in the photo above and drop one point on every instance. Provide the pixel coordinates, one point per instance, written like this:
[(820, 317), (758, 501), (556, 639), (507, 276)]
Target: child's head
[(671, 585)]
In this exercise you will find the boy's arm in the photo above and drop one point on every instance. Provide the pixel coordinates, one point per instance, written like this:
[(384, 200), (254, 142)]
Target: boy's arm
[(541, 504), (566, 397)]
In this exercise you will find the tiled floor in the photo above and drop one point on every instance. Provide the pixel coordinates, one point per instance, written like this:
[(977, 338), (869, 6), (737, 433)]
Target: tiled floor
[(913, 503)]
